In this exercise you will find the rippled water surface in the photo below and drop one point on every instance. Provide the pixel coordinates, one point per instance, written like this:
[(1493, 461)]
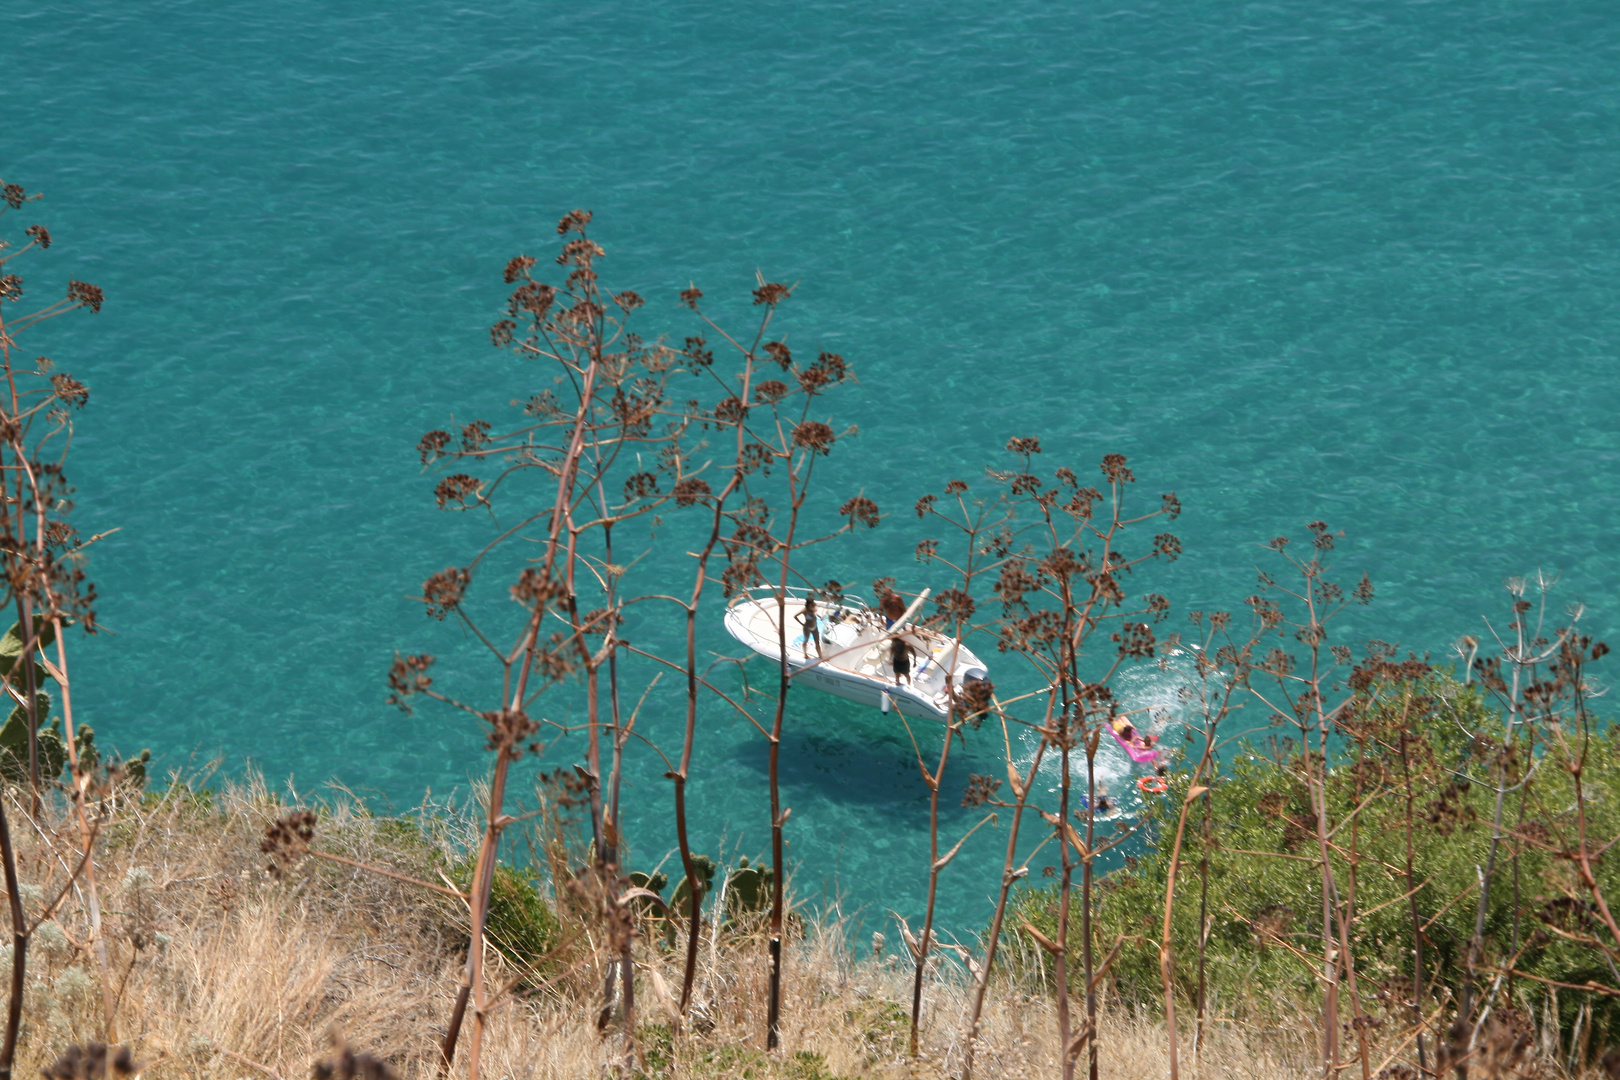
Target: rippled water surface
[(1315, 258)]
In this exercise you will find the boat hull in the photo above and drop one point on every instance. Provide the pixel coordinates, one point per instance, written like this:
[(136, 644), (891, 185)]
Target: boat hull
[(864, 691), (854, 659)]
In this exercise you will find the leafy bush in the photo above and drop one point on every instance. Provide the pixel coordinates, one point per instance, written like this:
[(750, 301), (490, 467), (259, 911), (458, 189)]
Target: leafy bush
[(520, 923), (1264, 881)]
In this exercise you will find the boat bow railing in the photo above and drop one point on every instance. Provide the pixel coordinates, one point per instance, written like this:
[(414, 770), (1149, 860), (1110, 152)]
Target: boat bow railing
[(794, 592)]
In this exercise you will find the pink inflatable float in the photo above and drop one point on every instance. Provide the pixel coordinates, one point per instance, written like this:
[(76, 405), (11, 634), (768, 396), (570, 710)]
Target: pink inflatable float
[(1138, 746)]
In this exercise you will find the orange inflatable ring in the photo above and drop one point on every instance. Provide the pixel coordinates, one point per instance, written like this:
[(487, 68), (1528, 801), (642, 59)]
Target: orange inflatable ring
[(1152, 785)]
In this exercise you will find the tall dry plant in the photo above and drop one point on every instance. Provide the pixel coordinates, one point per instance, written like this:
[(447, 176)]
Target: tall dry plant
[(612, 443), (1534, 703), (970, 556), (762, 414), (1221, 665), (560, 473), (1298, 693), (781, 442), (42, 554), (1061, 579), (1540, 682), (1070, 586)]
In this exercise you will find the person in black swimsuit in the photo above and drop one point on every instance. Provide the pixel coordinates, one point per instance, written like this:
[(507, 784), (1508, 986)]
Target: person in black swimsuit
[(900, 658), (807, 619)]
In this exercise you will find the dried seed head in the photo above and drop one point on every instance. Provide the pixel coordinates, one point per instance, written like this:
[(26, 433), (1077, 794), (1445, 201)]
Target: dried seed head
[(287, 840), (347, 1065), (978, 695), (92, 1062), (443, 591), (1135, 640), (84, 294), (475, 436), (574, 221), (1113, 467), (640, 485), (693, 489), (408, 676), (518, 268), (1024, 447), (67, 388), (508, 728), (955, 605), (457, 488), (695, 352), (980, 789), (771, 294), (861, 511), (431, 446), (814, 436)]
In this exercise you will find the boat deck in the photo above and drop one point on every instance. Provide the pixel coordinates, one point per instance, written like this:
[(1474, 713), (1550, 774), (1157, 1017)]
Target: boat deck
[(855, 646)]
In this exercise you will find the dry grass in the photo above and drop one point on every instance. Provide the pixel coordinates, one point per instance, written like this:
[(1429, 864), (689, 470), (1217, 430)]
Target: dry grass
[(224, 967)]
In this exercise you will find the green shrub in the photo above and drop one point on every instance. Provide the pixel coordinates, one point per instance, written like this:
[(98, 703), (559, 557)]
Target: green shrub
[(520, 923), (1264, 881)]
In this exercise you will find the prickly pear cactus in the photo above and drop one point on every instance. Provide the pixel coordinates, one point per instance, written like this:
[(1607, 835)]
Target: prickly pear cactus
[(650, 882), (11, 645), (14, 734), (647, 906), (680, 902), (748, 892), (14, 744)]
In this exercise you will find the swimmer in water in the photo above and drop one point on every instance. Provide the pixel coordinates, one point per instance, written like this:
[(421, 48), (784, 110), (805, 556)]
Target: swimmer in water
[(1137, 740)]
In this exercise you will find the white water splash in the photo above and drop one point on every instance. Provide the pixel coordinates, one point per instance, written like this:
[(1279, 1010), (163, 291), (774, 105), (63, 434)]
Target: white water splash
[(1151, 695)]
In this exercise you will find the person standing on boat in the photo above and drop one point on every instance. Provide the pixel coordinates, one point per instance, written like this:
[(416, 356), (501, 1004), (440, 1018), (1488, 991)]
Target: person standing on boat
[(900, 658), (812, 629), (892, 607)]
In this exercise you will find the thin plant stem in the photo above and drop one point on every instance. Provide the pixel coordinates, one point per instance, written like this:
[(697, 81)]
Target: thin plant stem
[(1010, 874), (19, 947), (87, 835)]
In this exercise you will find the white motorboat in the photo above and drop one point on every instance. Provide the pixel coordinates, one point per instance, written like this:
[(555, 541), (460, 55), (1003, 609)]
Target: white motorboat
[(854, 659)]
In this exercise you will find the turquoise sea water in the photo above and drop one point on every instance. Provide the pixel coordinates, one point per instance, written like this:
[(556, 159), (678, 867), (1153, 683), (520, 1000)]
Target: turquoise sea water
[(1315, 258)]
